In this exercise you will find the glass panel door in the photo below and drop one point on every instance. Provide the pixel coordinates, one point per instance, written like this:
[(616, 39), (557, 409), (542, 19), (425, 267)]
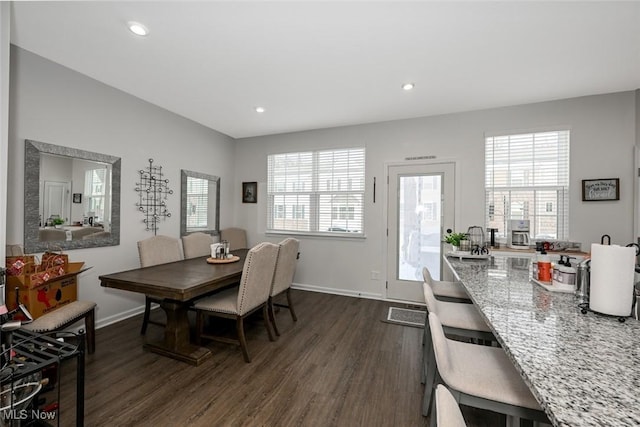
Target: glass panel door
[(420, 207)]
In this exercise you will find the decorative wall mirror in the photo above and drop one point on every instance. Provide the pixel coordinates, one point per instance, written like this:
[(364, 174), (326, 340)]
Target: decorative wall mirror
[(200, 207), (71, 198)]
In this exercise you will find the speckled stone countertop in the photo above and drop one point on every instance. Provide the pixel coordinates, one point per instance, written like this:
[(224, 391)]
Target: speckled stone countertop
[(584, 369)]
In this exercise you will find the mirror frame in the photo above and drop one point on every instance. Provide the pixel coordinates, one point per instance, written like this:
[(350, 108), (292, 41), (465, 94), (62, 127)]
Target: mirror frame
[(32, 152), (184, 174)]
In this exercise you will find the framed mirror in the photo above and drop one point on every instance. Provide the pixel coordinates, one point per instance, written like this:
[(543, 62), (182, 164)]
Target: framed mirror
[(200, 206), (71, 198)]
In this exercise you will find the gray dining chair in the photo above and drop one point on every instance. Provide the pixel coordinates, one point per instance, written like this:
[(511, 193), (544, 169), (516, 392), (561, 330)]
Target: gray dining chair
[(283, 277), (153, 251), (237, 238), (444, 290), (238, 303), (448, 412), (479, 376), (196, 245)]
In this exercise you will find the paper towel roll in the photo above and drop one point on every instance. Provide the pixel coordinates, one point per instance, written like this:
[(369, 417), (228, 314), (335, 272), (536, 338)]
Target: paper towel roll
[(612, 274)]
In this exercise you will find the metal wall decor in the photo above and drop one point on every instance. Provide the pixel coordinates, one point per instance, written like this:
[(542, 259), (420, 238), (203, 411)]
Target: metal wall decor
[(153, 190)]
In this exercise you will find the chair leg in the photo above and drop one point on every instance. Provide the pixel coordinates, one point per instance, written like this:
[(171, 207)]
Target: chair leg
[(430, 382), (290, 302), (90, 326), (434, 414), (242, 339), (265, 316), (272, 316), (147, 311)]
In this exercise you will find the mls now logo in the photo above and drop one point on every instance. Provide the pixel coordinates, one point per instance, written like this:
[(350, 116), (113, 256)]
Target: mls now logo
[(24, 414)]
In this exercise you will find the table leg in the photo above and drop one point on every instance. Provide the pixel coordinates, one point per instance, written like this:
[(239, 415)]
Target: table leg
[(176, 342)]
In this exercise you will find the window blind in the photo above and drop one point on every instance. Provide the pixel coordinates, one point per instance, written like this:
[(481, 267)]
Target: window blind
[(527, 177), (197, 203), (317, 192), (94, 189)]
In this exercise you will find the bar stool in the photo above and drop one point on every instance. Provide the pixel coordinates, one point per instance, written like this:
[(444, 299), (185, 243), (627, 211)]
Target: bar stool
[(461, 320), (447, 410), (479, 376), (444, 290)]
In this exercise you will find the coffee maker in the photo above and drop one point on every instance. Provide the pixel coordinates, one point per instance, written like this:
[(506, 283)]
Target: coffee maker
[(518, 234)]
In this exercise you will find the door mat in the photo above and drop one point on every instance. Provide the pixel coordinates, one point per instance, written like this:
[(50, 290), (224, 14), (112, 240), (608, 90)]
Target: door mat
[(406, 317)]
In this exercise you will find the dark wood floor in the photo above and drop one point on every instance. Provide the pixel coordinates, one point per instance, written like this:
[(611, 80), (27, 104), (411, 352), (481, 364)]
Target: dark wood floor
[(339, 365)]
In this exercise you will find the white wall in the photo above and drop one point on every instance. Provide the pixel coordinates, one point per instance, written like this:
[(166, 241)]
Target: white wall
[(5, 25), (602, 141), (53, 104)]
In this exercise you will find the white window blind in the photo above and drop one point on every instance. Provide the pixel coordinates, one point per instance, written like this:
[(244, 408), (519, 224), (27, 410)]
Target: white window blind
[(94, 190), (527, 177), (317, 192), (197, 203)]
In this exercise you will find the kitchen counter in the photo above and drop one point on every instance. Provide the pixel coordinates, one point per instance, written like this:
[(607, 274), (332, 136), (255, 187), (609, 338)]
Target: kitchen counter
[(503, 250), (584, 369)]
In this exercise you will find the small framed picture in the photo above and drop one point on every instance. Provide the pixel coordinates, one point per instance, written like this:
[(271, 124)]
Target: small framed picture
[(249, 192), (597, 190), (77, 197)]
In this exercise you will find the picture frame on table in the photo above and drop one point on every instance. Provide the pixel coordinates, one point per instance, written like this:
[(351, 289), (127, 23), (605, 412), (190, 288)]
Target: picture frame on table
[(249, 192), (602, 189)]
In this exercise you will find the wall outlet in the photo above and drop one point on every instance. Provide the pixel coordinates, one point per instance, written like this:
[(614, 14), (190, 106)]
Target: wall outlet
[(375, 275)]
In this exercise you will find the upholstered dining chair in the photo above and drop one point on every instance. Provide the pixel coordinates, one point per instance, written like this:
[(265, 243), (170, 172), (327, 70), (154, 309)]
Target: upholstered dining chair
[(153, 251), (448, 412), (238, 303), (444, 290), (481, 377), (237, 238), (196, 245), (283, 277)]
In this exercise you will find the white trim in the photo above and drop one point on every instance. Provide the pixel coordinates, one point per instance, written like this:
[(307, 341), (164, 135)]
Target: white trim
[(521, 131), (336, 291), (121, 316)]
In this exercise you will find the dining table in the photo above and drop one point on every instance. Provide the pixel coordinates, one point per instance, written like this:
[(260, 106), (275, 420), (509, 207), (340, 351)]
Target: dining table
[(178, 284), (582, 367)]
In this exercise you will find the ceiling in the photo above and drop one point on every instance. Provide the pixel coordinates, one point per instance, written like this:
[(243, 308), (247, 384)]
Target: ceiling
[(319, 64)]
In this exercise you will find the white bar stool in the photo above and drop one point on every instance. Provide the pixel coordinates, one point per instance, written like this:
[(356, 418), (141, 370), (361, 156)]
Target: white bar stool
[(461, 320), (479, 376), (448, 412), (446, 291)]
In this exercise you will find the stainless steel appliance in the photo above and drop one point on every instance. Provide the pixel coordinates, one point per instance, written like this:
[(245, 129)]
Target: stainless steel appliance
[(518, 234)]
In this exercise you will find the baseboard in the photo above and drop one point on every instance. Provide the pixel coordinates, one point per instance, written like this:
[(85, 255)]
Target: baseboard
[(336, 291), (120, 316)]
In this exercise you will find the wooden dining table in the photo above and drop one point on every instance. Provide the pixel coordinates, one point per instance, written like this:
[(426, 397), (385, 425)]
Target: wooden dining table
[(178, 284)]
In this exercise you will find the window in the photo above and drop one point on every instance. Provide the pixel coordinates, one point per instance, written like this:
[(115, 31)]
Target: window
[(197, 203), (527, 177), (94, 189), (322, 190)]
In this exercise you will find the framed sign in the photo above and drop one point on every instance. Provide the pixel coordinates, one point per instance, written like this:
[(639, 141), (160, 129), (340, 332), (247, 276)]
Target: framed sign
[(77, 197), (249, 192), (596, 190)]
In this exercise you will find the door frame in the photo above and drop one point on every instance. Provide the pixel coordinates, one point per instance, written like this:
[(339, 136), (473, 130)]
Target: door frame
[(385, 202)]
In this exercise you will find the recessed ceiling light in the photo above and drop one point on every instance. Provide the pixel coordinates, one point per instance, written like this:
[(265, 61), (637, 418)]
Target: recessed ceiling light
[(137, 28), (260, 110), (408, 86)]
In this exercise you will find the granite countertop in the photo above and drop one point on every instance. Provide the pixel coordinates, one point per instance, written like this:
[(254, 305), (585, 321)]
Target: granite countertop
[(584, 369)]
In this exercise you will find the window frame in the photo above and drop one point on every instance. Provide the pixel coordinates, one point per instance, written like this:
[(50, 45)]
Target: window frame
[(536, 207), (318, 213)]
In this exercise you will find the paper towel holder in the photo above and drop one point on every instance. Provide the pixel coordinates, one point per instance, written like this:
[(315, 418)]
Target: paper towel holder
[(584, 309)]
